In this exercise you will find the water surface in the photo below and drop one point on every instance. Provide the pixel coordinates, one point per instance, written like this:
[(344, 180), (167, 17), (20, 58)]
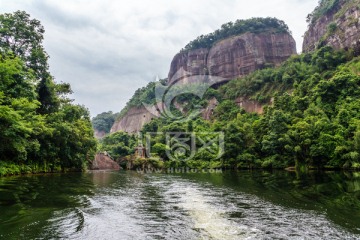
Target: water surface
[(229, 205)]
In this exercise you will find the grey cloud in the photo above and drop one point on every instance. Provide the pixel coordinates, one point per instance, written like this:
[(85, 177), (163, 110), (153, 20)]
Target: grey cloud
[(58, 17)]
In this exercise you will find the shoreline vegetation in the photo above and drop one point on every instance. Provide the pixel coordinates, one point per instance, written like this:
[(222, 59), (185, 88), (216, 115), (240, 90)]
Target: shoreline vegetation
[(12, 170)]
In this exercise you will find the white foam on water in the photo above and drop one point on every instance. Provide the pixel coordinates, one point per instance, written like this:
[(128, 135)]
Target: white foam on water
[(209, 220)]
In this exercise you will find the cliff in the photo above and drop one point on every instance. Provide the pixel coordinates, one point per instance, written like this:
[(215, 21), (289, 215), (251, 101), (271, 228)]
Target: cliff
[(236, 56), (133, 120), (338, 26)]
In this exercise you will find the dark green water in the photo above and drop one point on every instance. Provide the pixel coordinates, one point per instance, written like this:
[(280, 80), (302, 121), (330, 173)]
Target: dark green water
[(229, 205)]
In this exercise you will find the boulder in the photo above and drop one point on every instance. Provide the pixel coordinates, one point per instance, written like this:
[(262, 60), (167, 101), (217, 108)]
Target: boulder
[(103, 161)]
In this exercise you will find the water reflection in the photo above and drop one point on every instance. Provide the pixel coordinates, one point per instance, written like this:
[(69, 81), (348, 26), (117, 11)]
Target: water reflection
[(27, 202), (103, 178)]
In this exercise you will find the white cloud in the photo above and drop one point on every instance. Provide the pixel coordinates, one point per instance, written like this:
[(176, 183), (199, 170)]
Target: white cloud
[(106, 49)]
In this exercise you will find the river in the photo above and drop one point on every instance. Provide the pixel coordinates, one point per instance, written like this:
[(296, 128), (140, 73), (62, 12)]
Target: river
[(228, 205)]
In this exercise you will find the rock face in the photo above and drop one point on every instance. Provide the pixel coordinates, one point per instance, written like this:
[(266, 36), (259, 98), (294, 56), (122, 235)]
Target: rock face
[(134, 120), (104, 162), (339, 28), (235, 56)]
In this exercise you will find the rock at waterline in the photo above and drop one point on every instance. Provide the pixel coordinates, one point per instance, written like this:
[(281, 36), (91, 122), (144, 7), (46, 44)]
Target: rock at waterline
[(103, 161)]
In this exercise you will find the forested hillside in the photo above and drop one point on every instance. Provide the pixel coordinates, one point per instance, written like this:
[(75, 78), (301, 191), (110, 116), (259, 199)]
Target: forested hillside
[(313, 122), (41, 130)]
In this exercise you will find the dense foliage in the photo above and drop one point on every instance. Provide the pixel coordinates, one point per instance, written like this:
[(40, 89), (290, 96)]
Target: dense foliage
[(41, 130), (119, 144), (324, 7), (253, 25)]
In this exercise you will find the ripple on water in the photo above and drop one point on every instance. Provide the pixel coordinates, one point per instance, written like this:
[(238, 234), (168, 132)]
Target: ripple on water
[(168, 207)]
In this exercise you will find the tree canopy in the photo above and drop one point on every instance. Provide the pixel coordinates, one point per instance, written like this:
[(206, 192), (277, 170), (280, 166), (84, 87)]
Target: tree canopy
[(104, 121)]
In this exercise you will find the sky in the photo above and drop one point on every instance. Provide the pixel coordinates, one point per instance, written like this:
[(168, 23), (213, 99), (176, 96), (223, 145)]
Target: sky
[(106, 49)]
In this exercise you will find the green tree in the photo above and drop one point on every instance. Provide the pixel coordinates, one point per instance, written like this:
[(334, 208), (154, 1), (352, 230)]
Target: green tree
[(119, 144), (104, 121), (226, 110), (23, 36)]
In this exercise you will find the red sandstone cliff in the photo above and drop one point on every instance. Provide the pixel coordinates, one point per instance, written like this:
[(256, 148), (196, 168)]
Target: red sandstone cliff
[(235, 56)]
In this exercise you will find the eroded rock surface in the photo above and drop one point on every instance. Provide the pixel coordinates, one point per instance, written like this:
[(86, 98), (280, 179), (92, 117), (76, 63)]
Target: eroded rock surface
[(235, 56)]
